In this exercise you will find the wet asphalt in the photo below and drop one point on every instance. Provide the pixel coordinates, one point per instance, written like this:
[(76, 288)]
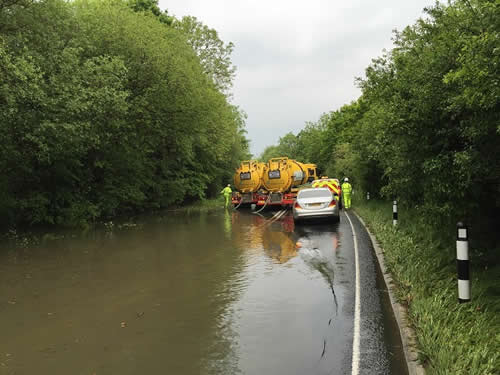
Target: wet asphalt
[(222, 292), (380, 344)]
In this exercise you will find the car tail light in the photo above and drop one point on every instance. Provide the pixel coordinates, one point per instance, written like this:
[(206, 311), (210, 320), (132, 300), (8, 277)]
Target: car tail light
[(332, 203), (297, 205)]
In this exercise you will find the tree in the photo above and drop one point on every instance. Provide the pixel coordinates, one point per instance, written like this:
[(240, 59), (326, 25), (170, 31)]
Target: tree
[(106, 111), (269, 153), (425, 129), (214, 54), (151, 6)]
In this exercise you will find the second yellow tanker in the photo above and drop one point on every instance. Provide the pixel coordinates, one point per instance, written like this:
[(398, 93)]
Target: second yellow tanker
[(283, 174)]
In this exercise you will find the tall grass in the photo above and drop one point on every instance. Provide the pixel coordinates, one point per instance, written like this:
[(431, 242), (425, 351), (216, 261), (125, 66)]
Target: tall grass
[(453, 338), (205, 205)]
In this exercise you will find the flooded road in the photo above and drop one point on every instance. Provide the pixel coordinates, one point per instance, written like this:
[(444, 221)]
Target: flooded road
[(221, 292)]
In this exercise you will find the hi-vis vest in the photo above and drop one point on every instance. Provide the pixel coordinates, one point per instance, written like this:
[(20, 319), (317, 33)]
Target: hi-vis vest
[(330, 183), (347, 188)]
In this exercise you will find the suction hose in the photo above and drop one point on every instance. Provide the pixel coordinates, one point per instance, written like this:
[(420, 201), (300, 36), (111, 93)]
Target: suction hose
[(239, 204), (264, 206)]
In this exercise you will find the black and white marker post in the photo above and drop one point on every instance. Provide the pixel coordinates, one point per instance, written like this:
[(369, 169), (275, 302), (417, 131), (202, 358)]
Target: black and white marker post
[(463, 263), (394, 213), (368, 196)]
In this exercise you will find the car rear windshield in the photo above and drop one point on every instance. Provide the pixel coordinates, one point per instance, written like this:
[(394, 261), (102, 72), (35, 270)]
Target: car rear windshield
[(315, 193)]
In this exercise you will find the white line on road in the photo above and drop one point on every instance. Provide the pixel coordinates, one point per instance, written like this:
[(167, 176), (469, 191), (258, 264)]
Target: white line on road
[(357, 306)]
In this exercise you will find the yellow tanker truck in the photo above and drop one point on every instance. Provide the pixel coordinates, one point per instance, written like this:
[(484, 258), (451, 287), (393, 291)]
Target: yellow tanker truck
[(279, 178), (247, 181), (283, 174), (248, 177)]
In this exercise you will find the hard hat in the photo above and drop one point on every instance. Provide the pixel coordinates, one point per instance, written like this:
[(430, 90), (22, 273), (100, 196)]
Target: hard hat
[(228, 184), (346, 179)]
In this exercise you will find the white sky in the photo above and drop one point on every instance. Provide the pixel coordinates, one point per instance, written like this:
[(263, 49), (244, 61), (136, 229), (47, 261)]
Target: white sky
[(298, 59)]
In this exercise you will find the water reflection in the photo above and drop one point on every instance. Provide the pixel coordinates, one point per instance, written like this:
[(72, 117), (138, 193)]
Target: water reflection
[(318, 252), (273, 235), (279, 238), (286, 314), (181, 293), (228, 222), (120, 300), (278, 245)]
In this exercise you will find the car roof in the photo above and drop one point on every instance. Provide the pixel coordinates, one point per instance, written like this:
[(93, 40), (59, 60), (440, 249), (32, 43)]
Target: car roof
[(314, 189)]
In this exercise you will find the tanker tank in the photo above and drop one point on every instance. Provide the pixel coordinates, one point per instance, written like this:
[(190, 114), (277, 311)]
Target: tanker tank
[(248, 177), (283, 174)]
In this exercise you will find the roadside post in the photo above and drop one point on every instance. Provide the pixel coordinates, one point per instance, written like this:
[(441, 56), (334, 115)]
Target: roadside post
[(463, 263), (368, 196), (394, 213)]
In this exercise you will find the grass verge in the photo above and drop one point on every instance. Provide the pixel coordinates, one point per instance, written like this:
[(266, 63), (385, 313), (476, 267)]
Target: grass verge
[(453, 338), (204, 205)]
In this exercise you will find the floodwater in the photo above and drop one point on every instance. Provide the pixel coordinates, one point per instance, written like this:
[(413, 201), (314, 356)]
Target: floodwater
[(220, 292)]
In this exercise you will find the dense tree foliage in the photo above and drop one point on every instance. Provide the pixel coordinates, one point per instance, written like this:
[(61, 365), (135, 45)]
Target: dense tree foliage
[(214, 54), (426, 128), (105, 109), (151, 6)]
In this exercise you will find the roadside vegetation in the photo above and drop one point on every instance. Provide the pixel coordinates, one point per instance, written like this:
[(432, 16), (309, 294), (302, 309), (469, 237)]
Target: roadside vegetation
[(216, 203), (453, 338), (425, 131), (111, 107)]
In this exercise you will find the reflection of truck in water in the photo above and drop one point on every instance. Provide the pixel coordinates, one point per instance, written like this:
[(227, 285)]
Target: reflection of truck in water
[(273, 237), (279, 179), (279, 245)]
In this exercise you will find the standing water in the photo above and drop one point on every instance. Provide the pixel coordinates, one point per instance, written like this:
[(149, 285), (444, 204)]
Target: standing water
[(219, 292)]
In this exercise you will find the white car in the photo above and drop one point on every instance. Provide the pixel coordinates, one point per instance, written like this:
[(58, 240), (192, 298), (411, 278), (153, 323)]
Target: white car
[(316, 203)]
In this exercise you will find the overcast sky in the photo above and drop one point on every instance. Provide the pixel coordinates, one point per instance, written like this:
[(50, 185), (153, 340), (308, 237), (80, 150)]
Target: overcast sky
[(298, 59)]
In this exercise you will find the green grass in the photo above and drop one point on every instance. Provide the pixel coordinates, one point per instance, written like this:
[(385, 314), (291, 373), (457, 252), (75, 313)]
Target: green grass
[(205, 205), (453, 338)]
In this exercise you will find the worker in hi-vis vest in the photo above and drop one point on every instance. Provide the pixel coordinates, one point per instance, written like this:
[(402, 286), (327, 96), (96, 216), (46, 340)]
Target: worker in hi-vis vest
[(346, 193), (227, 194)]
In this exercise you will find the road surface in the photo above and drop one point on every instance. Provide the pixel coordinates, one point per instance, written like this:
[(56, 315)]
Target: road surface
[(219, 292)]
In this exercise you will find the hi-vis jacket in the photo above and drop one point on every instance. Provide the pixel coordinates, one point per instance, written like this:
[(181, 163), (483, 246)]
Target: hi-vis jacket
[(226, 191), (347, 188)]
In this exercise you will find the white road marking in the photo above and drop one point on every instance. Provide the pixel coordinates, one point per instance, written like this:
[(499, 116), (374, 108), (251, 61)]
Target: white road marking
[(357, 306)]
